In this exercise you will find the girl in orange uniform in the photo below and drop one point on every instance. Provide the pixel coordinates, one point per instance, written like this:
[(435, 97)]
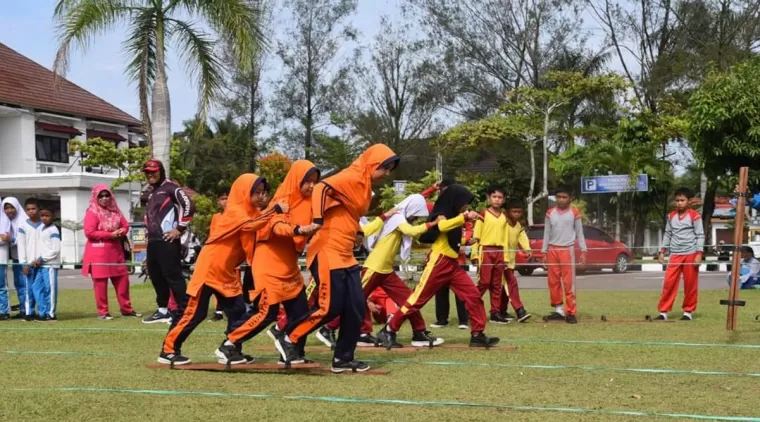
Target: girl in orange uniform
[(232, 242)]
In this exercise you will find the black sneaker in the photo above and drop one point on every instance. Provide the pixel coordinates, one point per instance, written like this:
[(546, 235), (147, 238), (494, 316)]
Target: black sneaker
[(274, 333), (168, 358), (424, 339), (19, 315), (248, 358), (570, 319), (482, 340), (158, 317), (387, 339), (508, 316), (106, 317), (339, 366), (288, 351), (367, 340), (47, 318), (30, 318), (132, 314), (15, 308), (554, 316), (218, 316), (439, 324), (660, 317), (326, 336), (229, 354), (523, 315), (685, 318), (498, 319), (298, 360), (5, 317)]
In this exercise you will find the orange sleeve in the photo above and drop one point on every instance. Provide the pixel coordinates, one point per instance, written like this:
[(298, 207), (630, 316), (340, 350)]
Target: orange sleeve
[(259, 222), (284, 229), (318, 201)]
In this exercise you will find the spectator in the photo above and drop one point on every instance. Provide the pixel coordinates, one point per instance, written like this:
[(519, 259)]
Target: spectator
[(11, 218), (749, 272), (106, 229)]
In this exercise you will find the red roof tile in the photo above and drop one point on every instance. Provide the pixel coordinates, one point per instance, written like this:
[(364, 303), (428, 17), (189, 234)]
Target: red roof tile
[(26, 83)]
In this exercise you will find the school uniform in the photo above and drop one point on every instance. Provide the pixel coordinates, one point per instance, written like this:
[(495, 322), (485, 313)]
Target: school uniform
[(514, 237), (489, 252), (37, 242), (684, 238), (562, 228)]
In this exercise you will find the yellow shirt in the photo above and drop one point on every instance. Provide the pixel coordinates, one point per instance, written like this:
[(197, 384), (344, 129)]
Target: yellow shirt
[(380, 260), (489, 232), (441, 244), (372, 227), (515, 236)]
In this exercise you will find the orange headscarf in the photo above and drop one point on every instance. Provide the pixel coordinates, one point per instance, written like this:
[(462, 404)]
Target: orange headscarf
[(300, 206), (353, 186), (239, 211)]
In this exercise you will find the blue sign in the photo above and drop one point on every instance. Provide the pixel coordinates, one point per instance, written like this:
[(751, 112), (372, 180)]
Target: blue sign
[(614, 183)]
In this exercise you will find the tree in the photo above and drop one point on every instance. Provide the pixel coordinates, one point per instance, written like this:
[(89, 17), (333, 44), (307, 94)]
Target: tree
[(96, 152), (274, 167), (332, 153), (154, 26), (314, 86), (399, 96)]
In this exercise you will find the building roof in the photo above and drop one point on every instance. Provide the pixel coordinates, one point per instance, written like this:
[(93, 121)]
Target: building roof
[(26, 83)]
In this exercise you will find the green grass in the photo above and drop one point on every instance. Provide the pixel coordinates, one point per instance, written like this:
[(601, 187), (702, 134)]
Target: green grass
[(592, 374)]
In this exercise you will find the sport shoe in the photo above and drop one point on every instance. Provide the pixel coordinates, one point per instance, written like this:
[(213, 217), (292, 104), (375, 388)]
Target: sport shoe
[(327, 337), (523, 315), (685, 317), (5, 317), (274, 333), (168, 358), (30, 318), (106, 317), (248, 358), (498, 319), (463, 326), (661, 317), (439, 324), (158, 317), (47, 318), (299, 360), (15, 308), (570, 319), (229, 354), (288, 351), (339, 366), (132, 314), (554, 316), (508, 316), (482, 340), (387, 339), (218, 316), (367, 340), (424, 339), (19, 315)]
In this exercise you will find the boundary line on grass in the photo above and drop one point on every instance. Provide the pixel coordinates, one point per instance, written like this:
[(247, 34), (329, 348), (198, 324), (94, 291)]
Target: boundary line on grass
[(588, 368), (359, 400), (519, 340)]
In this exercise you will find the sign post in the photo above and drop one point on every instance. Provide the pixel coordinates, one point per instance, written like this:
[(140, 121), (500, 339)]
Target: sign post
[(733, 291), (399, 186), (614, 183)]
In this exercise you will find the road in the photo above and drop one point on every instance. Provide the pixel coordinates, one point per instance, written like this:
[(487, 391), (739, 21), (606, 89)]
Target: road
[(72, 279)]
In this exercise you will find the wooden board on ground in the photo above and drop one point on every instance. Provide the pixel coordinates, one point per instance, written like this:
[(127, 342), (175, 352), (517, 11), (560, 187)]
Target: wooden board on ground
[(252, 367), (370, 371), (317, 349), (467, 347)]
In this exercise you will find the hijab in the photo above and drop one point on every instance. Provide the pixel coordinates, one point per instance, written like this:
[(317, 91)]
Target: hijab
[(289, 191), (11, 226), (109, 216), (412, 206), (448, 205)]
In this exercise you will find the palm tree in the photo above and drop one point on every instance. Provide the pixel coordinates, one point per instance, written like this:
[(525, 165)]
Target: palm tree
[(153, 26)]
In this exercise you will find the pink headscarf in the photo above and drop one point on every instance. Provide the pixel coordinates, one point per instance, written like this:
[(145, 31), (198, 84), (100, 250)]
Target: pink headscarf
[(110, 216)]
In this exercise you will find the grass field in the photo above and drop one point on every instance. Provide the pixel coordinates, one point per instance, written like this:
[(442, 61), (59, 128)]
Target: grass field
[(81, 368)]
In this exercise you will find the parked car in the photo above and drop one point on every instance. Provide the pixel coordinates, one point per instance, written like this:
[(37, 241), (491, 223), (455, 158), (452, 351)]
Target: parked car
[(603, 251)]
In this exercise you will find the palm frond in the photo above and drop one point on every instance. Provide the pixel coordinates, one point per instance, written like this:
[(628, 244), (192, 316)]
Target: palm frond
[(196, 49), (141, 46), (79, 21)]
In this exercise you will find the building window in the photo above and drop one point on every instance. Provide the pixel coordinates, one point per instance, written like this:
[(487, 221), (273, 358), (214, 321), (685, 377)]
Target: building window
[(52, 149)]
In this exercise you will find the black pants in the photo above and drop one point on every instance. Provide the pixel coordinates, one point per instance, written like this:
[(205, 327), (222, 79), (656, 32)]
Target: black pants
[(248, 286), (342, 297), (195, 312), (259, 317), (442, 305), (165, 269)]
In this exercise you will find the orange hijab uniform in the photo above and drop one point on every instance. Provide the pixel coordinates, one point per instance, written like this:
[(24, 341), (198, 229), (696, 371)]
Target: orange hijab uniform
[(275, 263), (232, 241)]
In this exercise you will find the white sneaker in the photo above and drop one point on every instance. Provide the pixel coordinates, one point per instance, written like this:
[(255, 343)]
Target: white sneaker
[(463, 326)]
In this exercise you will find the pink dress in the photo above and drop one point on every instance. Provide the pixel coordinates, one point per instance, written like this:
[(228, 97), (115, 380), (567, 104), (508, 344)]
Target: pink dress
[(101, 248)]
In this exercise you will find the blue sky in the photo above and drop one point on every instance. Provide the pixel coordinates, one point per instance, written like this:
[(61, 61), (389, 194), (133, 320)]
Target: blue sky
[(27, 27)]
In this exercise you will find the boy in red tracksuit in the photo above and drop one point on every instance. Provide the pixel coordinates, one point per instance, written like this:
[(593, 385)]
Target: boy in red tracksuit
[(562, 228), (488, 251), (685, 238)]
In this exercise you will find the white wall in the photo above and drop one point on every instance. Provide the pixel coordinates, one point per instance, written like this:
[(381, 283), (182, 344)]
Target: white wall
[(74, 203), (17, 144)]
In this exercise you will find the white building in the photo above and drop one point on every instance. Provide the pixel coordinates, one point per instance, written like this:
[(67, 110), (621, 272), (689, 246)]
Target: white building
[(39, 117)]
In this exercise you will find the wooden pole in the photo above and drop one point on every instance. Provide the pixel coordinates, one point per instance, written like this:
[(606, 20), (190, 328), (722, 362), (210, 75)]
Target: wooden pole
[(733, 291)]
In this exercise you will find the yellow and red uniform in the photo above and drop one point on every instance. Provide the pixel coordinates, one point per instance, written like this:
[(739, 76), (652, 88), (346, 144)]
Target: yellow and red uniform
[(488, 252), (514, 237)]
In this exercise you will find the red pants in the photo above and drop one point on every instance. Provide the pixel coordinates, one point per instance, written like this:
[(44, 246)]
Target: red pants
[(491, 272), (387, 306), (680, 264), (121, 285), (395, 288), (561, 263), (172, 303), (514, 292), (441, 270)]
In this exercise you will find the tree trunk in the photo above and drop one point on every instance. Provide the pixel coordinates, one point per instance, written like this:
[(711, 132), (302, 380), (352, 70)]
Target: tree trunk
[(252, 150), (708, 206), (530, 199), (161, 109), (617, 218)]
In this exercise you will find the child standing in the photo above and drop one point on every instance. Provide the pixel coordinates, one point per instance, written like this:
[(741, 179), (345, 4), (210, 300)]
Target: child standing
[(488, 251), (562, 228), (514, 237), (14, 215), (47, 264), (28, 242), (684, 237)]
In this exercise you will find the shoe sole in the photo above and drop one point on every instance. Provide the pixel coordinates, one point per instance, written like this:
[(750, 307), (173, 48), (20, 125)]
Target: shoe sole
[(295, 362), (438, 325), (271, 335), (364, 344), (437, 342), (323, 339), (500, 322), (280, 349), (341, 370), (221, 358), (463, 327), (524, 318), (168, 362), (156, 321)]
